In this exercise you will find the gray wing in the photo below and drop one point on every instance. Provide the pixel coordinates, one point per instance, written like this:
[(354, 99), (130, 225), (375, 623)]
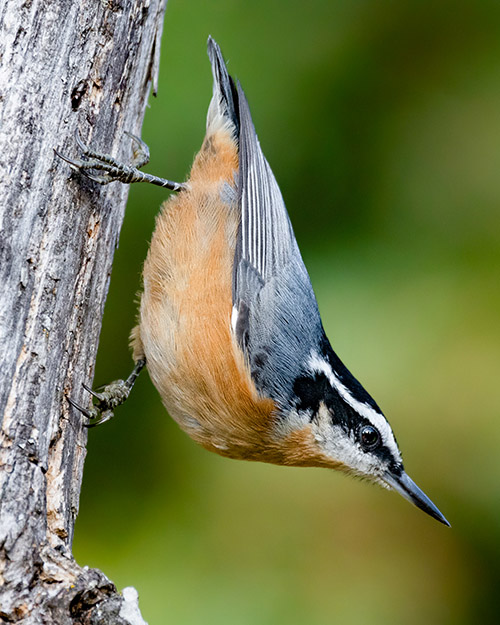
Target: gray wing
[(276, 316)]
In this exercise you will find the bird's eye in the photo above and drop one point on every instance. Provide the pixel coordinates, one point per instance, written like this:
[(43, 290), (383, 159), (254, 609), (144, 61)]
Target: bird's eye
[(369, 437)]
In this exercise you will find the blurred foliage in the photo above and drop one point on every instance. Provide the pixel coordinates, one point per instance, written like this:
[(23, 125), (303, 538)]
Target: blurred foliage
[(381, 120)]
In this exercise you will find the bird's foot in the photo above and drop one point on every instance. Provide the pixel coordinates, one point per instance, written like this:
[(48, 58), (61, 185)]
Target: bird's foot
[(112, 170), (111, 396)]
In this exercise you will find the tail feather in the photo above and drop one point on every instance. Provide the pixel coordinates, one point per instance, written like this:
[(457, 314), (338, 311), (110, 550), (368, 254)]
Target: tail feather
[(223, 107)]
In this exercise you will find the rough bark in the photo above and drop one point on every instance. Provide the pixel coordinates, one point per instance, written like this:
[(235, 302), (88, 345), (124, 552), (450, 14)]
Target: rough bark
[(64, 65)]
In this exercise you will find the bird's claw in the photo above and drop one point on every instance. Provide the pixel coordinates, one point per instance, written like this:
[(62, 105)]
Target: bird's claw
[(112, 169), (140, 151), (83, 410), (101, 411), (93, 393)]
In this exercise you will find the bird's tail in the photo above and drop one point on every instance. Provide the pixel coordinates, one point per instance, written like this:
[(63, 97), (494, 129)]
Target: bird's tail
[(223, 109)]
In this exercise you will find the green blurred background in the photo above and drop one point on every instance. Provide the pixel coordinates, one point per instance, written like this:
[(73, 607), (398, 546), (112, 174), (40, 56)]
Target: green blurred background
[(381, 120)]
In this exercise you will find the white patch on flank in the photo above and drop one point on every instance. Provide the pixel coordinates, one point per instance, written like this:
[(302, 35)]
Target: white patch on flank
[(376, 418), (234, 319)]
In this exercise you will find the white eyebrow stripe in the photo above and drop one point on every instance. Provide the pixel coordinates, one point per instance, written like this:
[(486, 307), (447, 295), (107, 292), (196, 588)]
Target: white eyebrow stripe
[(364, 410)]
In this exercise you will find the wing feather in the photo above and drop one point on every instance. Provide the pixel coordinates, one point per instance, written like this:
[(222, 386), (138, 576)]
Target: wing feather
[(266, 235), (277, 321)]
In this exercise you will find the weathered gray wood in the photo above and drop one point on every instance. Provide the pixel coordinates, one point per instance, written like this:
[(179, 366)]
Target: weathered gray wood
[(64, 64)]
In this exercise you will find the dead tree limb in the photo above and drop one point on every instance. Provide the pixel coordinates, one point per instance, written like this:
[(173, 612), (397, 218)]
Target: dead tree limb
[(64, 65)]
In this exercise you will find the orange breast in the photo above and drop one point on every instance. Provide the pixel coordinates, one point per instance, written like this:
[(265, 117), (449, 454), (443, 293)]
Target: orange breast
[(184, 328)]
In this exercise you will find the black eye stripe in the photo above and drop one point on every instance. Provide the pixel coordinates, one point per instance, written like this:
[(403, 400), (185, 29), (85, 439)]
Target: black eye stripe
[(310, 390)]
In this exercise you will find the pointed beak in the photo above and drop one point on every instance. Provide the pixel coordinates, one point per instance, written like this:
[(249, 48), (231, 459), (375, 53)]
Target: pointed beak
[(406, 487)]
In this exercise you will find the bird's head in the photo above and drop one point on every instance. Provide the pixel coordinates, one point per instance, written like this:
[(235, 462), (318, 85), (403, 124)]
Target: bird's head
[(350, 430)]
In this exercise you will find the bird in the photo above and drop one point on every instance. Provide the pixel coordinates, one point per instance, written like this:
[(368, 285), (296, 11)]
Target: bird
[(228, 324)]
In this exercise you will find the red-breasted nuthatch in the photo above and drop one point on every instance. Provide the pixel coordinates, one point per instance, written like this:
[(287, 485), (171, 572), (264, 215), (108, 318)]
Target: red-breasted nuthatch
[(229, 325)]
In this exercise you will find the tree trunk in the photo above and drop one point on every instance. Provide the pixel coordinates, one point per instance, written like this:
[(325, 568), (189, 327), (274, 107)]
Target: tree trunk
[(64, 65)]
